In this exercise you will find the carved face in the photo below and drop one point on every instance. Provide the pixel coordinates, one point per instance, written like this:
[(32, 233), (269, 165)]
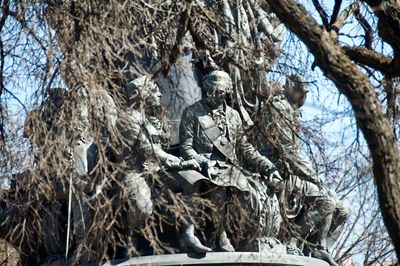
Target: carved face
[(152, 95), (298, 98), (296, 92), (216, 85), (216, 94)]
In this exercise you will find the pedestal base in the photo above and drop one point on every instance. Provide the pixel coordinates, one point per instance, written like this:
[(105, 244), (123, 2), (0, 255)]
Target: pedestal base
[(219, 258)]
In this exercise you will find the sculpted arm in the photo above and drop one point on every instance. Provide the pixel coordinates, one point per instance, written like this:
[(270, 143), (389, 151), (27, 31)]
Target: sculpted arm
[(186, 137), (132, 128), (254, 159)]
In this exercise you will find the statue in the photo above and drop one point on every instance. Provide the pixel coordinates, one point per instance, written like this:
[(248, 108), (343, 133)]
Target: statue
[(143, 135), (278, 139), (93, 115), (211, 133)]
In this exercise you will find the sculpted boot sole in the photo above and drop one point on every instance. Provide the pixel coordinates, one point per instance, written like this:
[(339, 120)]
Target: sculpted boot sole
[(194, 243), (225, 243), (324, 255)]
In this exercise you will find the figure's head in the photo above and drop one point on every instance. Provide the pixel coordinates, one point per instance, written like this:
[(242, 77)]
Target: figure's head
[(216, 85), (145, 91), (296, 90)]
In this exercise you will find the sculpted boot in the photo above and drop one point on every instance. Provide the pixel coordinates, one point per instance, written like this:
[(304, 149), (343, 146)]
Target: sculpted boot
[(293, 249), (190, 240), (225, 243), (323, 254), (321, 251)]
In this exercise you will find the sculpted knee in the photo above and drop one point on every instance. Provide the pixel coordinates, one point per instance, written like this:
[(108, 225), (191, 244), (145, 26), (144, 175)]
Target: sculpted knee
[(327, 204), (139, 194)]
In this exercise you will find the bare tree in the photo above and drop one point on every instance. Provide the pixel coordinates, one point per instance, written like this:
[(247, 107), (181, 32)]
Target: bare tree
[(354, 84), (93, 47)]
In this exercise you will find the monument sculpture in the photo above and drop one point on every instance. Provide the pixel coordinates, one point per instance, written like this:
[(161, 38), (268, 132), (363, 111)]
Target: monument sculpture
[(140, 125), (111, 153), (211, 133), (309, 204), (216, 162)]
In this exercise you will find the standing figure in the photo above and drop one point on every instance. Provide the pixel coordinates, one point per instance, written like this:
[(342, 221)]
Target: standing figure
[(211, 133), (311, 204), (92, 117), (142, 136)]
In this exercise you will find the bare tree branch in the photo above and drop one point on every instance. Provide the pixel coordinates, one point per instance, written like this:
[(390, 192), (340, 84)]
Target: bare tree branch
[(339, 22), (183, 27), (335, 12), (3, 19), (388, 13), (369, 33), (322, 13), (366, 105), (372, 59)]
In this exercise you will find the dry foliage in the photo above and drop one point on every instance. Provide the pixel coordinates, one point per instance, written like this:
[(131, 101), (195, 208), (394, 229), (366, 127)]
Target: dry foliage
[(91, 50)]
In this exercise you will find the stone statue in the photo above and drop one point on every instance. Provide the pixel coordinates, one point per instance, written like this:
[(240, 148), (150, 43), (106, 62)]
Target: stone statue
[(211, 133), (278, 139), (143, 135), (92, 117)]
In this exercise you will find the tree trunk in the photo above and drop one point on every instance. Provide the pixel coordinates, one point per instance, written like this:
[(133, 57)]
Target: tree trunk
[(350, 81)]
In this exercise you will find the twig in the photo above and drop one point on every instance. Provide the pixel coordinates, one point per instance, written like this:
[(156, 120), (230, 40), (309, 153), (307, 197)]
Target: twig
[(335, 12), (369, 33), (322, 13)]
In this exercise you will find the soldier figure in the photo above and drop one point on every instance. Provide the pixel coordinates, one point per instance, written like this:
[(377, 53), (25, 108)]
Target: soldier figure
[(278, 139), (211, 133)]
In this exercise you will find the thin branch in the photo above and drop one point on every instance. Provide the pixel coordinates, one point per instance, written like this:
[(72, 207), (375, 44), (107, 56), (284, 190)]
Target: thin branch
[(16, 98), (185, 17), (339, 22), (5, 11), (388, 14), (25, 26), (322, 13), (335, 12), (369, 32), (364, 56)]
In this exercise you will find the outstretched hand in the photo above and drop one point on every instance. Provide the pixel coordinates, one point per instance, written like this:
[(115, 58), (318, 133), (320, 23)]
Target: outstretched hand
[(191, 164), (274, 180)]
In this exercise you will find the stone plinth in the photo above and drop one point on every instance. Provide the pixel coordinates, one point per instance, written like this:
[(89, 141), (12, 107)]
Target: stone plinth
[(219, 258)]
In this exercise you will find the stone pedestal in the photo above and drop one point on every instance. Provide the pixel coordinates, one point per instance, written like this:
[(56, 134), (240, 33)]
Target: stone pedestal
[(220, 258)]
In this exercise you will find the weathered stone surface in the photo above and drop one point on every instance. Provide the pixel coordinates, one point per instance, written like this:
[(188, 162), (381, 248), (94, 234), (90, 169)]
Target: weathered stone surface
[(220, 258)]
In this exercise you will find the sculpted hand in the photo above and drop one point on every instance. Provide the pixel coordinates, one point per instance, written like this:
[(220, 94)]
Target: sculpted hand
[(68, 153), (206, 167), (190, 164), (171, 162), (275, 180)]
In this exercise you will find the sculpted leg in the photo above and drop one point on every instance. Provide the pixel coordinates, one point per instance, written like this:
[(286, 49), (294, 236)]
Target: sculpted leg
[(320, 216), (139, 195), (340, 216), (140, 206), (81, 220), (189, 239), (219, 198)]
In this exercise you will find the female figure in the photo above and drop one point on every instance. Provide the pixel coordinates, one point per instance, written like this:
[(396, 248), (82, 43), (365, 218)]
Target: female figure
[(142, 137)]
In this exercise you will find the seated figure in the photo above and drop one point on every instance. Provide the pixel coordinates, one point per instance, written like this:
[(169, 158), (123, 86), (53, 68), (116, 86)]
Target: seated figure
[(142, 135), (312, 206), (211, 133)]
